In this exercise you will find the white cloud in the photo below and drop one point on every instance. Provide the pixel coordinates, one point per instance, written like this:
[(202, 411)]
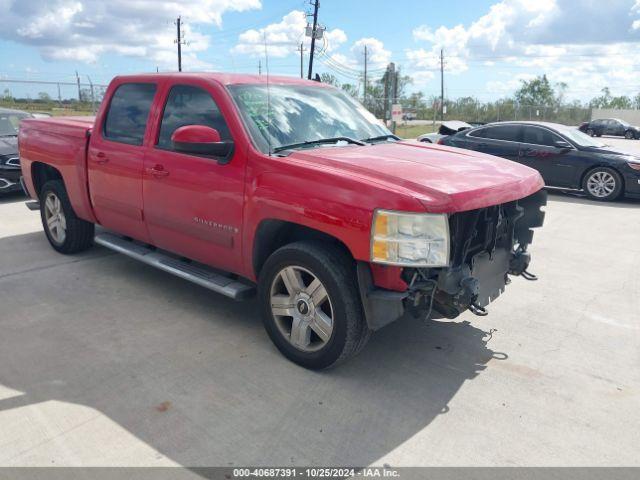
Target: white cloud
[(284, 37), (571, 40), (422, 78), (377, 55), (83, 30), (281, 38)]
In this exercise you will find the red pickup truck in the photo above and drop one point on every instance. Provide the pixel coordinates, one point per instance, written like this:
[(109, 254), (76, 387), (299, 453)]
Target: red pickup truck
[(288, 189)]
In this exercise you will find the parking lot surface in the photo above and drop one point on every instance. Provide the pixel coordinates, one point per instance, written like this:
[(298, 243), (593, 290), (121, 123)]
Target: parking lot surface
[(104, 361)]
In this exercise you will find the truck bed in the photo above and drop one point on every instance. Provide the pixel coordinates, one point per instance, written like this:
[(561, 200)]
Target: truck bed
[(60, 142)]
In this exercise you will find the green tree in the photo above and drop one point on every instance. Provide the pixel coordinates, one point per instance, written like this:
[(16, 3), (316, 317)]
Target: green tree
[(330, 79), (606, 100), (536, 92), (350, 89)]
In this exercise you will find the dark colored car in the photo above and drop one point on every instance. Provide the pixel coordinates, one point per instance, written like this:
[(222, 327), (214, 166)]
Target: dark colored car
[(610, 126), (566, 157), (9, 159)]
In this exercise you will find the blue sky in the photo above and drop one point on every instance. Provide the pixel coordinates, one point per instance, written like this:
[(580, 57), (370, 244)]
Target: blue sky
[(490, 45)]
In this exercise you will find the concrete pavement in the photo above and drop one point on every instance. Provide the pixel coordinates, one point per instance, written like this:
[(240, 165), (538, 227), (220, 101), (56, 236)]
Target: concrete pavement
[(104, 361)]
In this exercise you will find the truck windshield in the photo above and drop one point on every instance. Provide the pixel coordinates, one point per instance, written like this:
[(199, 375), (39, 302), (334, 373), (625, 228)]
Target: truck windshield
[(301, 115)]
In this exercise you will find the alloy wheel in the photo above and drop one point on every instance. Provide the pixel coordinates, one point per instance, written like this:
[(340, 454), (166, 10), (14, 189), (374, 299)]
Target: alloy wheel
[(55, 218), (601, 184), (301, 308)]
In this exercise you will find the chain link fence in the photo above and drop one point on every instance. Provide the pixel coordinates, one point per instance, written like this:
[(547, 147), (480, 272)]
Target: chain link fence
[(56, 98)]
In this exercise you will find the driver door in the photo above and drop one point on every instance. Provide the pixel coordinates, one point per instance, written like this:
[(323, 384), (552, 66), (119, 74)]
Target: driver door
[(193, 204)]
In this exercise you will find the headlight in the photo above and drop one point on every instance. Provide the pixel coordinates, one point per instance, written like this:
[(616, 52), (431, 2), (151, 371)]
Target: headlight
[(410, 239)]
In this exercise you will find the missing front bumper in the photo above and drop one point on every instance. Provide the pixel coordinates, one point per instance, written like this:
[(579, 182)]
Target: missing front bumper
[(487, 244)]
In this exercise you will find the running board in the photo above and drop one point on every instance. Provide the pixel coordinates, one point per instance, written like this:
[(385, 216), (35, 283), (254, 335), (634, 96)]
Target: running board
[(199, 274)]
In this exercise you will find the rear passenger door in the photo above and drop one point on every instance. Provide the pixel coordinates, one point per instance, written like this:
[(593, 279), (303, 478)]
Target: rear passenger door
[(538, 150), (500, 140), (115, 160), (192, 203)]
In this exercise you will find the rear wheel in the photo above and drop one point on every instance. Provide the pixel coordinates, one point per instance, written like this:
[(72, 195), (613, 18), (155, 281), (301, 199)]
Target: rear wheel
[(65, 231), (603, 183), (311, 306)]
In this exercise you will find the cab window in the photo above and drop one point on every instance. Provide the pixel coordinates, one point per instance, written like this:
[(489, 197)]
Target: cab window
[(189, 105), (128, 112)]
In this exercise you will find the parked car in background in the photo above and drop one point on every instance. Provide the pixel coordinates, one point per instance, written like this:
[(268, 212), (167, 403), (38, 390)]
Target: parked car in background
[(9, 158), (290, 188), (446, 128), (566, 157), (610, 126)]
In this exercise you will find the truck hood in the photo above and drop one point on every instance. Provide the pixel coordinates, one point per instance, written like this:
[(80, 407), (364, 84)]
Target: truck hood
[(443, 179)]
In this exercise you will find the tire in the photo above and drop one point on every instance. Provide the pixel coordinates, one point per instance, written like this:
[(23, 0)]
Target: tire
[(306, 264), (65, 231), (590, 132), (629, 135), (602, 183)]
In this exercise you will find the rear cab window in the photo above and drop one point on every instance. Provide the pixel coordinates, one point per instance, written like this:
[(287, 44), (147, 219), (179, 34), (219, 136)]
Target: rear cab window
[(126, 119)]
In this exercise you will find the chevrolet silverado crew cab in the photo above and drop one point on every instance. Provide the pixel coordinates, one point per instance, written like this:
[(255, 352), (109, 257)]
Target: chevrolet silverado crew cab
[(287, 189)]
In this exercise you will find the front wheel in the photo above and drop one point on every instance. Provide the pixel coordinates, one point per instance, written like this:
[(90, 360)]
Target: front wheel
[(603, 183), (65, 231), (311, 305), (590, 132)]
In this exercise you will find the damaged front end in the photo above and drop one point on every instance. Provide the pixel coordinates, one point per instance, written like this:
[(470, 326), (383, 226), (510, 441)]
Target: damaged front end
[(486, 246)]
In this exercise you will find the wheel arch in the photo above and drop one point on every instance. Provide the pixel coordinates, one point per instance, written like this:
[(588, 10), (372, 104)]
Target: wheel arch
[(272, 234), (41, 173)]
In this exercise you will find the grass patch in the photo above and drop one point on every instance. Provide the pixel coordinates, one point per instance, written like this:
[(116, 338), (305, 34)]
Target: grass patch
[(413, 131)]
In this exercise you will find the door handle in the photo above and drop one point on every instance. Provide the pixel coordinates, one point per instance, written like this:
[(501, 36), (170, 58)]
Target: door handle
[(158, 171), (101, 158)]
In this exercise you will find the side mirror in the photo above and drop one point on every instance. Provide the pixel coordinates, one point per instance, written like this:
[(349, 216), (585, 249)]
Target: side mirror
[(562, 145), (201, 140)]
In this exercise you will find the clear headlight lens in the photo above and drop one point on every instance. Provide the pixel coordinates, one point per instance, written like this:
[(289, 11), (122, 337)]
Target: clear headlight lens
[(410, 239)]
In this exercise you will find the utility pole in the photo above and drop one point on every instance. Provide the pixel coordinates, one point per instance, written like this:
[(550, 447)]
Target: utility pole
[(179, 42), (259, 67), (441, 85), (316, 5), (59, 96), (301, 49), (79, 92), (364, 96)]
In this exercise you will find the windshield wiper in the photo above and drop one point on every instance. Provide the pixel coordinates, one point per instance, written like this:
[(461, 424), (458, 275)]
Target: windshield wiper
[(319, 141), (380, 138)]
